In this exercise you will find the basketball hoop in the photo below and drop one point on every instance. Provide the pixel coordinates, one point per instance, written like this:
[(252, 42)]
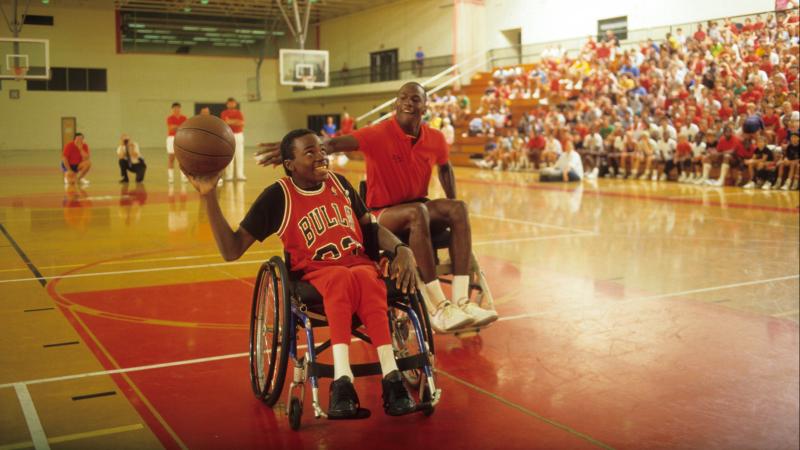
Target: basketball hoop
[(19, 73), (308, 82)]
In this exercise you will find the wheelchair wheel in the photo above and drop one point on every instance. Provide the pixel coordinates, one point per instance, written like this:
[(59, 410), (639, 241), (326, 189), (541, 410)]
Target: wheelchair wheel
[(404, 343), (295, 413), (426, 397), (269, 333)]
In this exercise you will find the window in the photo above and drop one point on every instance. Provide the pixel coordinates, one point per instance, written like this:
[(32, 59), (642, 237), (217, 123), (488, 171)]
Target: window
[(383, 66), (618, 25), (31, 19), (72, 79)]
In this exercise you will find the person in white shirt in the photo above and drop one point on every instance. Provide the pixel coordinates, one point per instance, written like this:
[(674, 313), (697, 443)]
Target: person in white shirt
[(568, 167), (448, 131), (666, 153), (552, 149), (130, 159)]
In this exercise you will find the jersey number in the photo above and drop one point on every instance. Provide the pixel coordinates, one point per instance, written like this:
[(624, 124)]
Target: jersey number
[(332, 252)]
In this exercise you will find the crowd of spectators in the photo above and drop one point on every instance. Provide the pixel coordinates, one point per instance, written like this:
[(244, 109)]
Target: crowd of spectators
[(720, 101)]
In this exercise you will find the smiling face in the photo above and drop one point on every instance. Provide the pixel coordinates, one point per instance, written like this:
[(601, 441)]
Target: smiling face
[(411, 103), (309, 163)]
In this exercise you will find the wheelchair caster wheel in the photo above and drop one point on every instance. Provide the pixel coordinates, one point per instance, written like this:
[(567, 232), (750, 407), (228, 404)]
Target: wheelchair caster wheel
[(295, 413), (426, 397)]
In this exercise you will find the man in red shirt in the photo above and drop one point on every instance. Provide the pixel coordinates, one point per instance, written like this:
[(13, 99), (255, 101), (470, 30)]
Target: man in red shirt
[(174, 120), (400, 153), (234, 118), (728, 152), (347, 124), (75, 161)]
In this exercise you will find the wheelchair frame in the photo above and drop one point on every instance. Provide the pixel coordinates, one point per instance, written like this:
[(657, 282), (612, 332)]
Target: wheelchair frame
[(273, 342)]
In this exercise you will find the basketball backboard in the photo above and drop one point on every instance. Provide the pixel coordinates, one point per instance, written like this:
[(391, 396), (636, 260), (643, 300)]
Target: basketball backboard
[(24, 59), (309, 68)]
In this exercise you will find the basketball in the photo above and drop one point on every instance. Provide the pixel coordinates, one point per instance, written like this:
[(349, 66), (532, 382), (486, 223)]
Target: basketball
[(204, 145)]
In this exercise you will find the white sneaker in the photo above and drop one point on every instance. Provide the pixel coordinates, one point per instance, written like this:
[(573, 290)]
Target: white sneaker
[(621, 175), (713, 183), (219, 182), (448, 317), (591, 175), (654, 177), (786, 185), (481, 316), (682, 178), (767, 186), (749, 185), (700, 181), (644, 176), (84, 181), (183, 178), (66, 180), (663, 177), (241, 178)]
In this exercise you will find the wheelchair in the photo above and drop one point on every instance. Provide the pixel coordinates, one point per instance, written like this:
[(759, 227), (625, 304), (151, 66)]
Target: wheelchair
[(283, 304), (478, 286)]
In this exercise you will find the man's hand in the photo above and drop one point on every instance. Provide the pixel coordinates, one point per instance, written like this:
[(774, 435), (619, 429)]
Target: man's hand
[(565, 175), (404, 270), (204, 184), (269, 154)]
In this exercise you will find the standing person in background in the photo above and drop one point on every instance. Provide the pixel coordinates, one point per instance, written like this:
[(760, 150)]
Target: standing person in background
[(329, 129), (347, 123), (234, 118), (205, 111), (130, 159), (448, 131), (75, 161), (419, 61), (174, 120)]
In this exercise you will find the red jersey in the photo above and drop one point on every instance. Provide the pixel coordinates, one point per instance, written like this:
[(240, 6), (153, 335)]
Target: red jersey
[(236, 115), (73, 153), (725, 145), (318, 228), (684, 149), (173, 120), (347, 126), (397, 170)]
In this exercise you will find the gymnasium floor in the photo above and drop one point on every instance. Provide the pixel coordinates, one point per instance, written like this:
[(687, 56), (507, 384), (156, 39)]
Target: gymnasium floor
[(635, 315)]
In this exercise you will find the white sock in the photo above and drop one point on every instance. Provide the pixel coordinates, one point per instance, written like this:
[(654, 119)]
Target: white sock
[(723, 173), (435, 292), (386, 358), (341, 361), (169, 174), (460, 288), (706, 170)]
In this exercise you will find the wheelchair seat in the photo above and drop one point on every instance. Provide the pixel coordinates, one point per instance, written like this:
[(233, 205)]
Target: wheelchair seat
[(312, 299)]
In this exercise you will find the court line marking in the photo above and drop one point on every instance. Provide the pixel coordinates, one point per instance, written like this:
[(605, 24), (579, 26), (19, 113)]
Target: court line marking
[(527, 411), (258, 261), (31, 417), (76, 436), (658, 296), (24, 257), (528, 222)]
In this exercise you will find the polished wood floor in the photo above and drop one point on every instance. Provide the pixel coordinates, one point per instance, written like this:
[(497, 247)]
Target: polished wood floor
[(635, 315)]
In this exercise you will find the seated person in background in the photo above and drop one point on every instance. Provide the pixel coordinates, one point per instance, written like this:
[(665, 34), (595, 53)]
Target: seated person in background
[(75, 161), (665, 152), (761, 167), (645, 152), (534, 149), (627, 155), (789, 161), (130, 159), (568, 167), (725, 154), (552, 150), (332, 258), (475, 127), (683, 158)]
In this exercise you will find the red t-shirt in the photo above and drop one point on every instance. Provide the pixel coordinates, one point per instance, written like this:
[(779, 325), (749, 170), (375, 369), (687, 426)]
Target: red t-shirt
[(398, 171), (73, 153), (699, 36), (177, 121), (347, 126), (684, 148), (537, 142), (725, 145), (236, 115), (725, 113), (770, 121)]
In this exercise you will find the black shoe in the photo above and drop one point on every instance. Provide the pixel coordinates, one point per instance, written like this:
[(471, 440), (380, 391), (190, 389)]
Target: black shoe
[(124, 180), (396, 399), (344, 400)]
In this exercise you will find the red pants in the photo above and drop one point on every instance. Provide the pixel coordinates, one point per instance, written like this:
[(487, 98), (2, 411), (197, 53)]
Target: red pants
[(353, 290)]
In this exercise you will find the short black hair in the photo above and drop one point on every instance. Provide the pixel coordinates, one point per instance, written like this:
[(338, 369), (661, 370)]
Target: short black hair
[(77, 135), (287, 145), (414, 83), (176, 104), (230, 99)]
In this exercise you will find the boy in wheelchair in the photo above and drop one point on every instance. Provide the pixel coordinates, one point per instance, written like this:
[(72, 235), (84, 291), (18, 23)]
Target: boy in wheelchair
[(314, 212)]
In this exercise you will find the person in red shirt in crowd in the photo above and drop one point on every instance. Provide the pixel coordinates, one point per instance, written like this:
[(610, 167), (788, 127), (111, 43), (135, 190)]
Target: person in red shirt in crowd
[(683, 157), (234, 118), (174, 120), (535, 147), (347, 124), (699, 35), (332, 256), (75, 161), (400, 153), (728, 152)]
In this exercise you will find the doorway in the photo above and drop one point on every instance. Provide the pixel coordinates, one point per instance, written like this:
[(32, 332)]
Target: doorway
[(514, 38), (383, 66)]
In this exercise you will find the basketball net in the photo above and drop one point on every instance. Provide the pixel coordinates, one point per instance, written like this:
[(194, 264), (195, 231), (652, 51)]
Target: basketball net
[(308, 82), (20, 72)]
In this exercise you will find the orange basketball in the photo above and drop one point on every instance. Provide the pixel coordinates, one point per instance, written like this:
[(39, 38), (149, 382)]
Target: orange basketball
[(204, 145)]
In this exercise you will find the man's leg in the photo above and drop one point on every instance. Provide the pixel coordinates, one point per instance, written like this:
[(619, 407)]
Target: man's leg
[(453, 214), (83, 169), (123, 170), (414, 219), (140, 168), (239, 156)]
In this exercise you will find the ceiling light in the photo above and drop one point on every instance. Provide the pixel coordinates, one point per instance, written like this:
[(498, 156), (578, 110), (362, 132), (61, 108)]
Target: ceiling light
[(190, 28), (203, 2)]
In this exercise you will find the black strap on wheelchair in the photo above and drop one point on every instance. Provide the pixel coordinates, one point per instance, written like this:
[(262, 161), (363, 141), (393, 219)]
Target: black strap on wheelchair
[(417, 361)]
